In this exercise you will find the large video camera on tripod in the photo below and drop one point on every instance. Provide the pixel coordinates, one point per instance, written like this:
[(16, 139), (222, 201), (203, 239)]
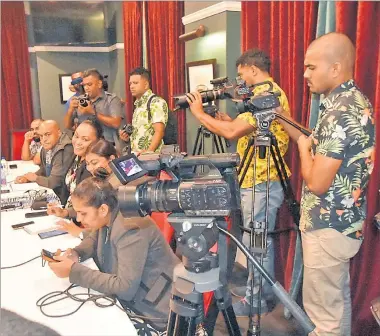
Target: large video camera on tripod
[(199, 203)]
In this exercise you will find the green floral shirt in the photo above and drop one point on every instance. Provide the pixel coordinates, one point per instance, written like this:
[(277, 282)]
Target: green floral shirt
[(345, 131), (143, 130)]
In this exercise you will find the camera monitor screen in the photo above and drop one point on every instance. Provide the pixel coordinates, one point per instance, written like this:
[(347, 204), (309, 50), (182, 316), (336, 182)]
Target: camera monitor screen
[(128, 168)]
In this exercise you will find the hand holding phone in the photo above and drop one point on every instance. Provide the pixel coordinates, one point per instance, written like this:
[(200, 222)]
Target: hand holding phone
[(49, 256)]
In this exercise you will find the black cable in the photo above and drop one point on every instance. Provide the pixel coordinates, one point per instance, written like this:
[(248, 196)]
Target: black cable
[(7, 267), (51, 298)]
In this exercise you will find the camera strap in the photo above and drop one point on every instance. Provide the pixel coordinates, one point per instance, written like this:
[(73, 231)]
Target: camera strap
[(148, 107)]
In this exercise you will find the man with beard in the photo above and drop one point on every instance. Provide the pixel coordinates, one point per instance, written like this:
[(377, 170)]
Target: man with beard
[(32, 146)]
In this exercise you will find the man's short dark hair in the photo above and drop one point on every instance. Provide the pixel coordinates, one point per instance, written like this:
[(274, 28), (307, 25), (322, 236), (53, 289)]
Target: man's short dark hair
[(145, 73), (255, 57), (93, 72)]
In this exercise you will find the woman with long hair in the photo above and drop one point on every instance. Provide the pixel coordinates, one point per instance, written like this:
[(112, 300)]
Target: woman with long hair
[(135, 262)]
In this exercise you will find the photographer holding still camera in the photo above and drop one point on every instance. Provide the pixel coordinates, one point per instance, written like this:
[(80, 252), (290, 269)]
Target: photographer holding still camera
[(104, 105), (253, 67)]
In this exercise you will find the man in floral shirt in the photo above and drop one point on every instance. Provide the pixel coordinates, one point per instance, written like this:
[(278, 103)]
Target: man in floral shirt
[(149, 116), (336, 162)]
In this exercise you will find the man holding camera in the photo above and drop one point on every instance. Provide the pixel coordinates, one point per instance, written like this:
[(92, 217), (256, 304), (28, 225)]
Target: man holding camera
[(336, 163), (253, 67), (32, 146), (149, 116), (105, 106)]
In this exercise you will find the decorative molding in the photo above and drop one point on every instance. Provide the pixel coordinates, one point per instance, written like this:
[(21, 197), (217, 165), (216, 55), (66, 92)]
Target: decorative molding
[(223, 6), (27, 7), (76, 48)]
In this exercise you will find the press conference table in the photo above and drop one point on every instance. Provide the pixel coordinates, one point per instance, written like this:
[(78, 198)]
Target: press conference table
[(22, 286)]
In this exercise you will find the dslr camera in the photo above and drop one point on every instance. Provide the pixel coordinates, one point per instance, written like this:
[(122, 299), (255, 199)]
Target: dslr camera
[(128, 128), (84, 100), (221, 90)]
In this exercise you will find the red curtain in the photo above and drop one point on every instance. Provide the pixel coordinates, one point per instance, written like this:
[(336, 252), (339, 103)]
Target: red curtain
[(360, 21), (16, 92), (284, 29), (166, 54), (132, 12)]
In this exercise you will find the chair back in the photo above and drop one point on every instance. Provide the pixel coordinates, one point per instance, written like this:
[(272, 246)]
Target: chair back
[(17, 140)]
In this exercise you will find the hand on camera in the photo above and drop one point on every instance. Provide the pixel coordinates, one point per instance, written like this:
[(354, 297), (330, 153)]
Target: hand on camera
[(195, 102), (74, 103), (29, 136), (86, 110), (69, 227), (123, 135)]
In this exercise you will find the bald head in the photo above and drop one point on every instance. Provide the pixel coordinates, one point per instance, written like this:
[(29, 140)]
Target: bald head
[(329, 62), (49, 133), (336, 47)]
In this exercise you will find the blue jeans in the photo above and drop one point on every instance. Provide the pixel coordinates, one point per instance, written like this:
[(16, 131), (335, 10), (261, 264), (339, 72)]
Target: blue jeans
[(276, 197)]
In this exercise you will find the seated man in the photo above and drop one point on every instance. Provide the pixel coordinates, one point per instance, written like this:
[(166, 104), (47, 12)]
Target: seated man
[(135, 262), (56, 157), (32, 146)]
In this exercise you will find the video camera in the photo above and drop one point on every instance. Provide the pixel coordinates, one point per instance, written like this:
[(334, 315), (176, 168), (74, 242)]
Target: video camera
[(214, 193), (256, 103), (196, 200), (221, 90)]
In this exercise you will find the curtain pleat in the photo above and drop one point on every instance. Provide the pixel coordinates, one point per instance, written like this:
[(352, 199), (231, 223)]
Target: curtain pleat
[(132, 14), (166, 55), (16, 91)]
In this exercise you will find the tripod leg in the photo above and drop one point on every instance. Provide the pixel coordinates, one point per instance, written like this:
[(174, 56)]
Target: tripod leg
[(171, 323), (224, 302), (216, 143), (197, 140)]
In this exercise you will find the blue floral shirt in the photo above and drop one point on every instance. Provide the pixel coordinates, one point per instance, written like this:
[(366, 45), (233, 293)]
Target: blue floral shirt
[(345, 131)]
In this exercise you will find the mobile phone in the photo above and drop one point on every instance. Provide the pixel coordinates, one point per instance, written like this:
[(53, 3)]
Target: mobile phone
[(21, 225), (49, 234), (12, 166), (48, 256), (36, 214)]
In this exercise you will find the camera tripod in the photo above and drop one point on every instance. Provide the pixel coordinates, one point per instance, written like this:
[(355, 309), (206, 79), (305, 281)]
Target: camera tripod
[(266, 144), (203, 133), (193, 277)]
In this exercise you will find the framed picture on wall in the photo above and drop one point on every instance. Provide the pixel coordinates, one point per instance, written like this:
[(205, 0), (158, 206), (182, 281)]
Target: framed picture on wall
[(199, 74), (64, 87)]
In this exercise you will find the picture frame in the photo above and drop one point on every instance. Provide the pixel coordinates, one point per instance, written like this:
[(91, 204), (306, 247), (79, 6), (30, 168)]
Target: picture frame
[(64, 87), (200, 73)]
